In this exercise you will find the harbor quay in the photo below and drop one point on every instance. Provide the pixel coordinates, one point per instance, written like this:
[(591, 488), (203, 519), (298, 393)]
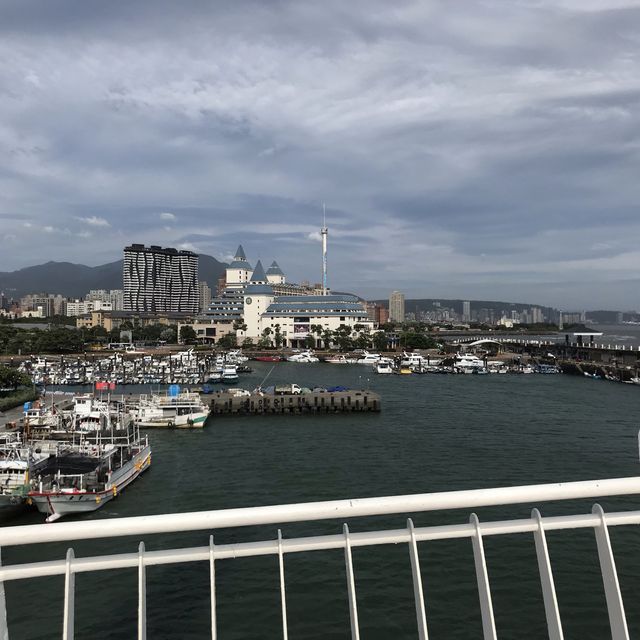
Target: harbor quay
[(319, 402)]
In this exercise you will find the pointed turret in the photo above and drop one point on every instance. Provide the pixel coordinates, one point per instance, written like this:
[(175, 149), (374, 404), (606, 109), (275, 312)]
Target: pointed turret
[(274, 270), (239, 271), (259, 276), (275, 275)]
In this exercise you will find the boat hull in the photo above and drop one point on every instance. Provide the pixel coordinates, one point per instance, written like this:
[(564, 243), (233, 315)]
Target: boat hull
[(58, 504), (189, 421)]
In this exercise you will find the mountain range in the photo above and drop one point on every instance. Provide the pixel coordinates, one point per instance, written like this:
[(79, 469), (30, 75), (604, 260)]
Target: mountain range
[(75, 280)]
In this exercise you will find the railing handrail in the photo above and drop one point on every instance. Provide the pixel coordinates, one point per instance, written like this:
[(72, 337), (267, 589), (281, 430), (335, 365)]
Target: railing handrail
[(318, 543), (326, 510)]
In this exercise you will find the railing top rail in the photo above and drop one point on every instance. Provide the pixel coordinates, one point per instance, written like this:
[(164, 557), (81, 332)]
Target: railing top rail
[(328, 510)]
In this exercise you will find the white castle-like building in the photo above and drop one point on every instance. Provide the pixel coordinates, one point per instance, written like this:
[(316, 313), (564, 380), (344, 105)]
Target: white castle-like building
[(255, 300)]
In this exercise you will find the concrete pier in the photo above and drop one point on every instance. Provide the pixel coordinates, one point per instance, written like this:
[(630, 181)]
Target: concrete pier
[(225, 403)]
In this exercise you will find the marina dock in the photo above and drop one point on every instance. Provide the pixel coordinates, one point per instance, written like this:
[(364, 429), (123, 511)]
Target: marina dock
[(352, 401)]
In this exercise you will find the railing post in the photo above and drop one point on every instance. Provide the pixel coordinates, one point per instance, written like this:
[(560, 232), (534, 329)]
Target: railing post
[(554, 625), (418, 593), (351, 586), (68, 618), (212, 587), (283, 596), (4, 628), (615, 606), (482, 576), (142, 595)]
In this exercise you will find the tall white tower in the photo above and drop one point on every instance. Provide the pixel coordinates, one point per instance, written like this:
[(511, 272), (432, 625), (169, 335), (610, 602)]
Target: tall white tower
[(325, 233)]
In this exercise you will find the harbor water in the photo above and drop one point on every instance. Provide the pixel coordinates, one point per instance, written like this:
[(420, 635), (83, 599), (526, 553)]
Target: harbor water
[(435, 433)]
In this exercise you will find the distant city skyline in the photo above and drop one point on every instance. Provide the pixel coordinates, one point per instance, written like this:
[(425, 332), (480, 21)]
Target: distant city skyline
[(474, 150)]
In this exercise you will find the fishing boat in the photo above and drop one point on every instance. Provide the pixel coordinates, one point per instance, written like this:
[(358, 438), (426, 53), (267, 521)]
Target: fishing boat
[(17, 461), (85, 476), (180, 410)]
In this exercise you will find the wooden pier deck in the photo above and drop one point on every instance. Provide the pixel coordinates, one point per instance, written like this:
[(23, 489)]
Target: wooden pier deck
[(353, 401)]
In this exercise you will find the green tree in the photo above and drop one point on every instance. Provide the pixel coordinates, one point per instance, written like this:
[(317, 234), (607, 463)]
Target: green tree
[(239, 325), (309, 342), (342, 336), (228, 341), (11, 378), (169, 335), (327, 338), (188, 334), (247, 343), (380, 341), (277, 337), (363, 341), (265, 339)]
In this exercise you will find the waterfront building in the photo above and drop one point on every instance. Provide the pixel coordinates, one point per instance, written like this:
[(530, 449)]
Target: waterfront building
[(396, 307), (255, 300), (158, 280)]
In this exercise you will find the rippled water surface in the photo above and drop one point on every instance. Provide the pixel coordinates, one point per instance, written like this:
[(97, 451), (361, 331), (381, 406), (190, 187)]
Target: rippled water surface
[(435, 433)]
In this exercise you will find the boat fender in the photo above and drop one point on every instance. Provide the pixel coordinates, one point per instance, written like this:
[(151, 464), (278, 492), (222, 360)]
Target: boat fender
[(190, 422), (171, 424), (276, 402), (115, 491), (260, 402)]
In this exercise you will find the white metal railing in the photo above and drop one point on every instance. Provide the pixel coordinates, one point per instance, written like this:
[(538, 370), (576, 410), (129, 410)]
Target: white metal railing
[(411, 536)]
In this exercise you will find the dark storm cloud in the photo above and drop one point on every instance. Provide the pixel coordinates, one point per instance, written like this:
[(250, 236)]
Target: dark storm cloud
[(486, 149)]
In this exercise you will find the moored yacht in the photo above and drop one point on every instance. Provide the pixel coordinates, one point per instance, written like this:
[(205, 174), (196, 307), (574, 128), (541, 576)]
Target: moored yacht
[(229, 374), (303, 357), (369, 358)]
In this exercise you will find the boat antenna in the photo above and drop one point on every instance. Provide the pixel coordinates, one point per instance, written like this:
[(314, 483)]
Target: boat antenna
[(265, 378), (324, 233)]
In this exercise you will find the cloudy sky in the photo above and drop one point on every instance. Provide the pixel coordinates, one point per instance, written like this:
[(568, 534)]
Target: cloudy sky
[(477, 149)]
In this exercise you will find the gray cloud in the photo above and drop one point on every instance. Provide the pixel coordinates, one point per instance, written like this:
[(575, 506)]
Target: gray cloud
[(482, 150)]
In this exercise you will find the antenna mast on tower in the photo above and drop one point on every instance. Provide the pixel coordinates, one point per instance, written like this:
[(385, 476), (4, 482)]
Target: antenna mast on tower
[(324, 233)]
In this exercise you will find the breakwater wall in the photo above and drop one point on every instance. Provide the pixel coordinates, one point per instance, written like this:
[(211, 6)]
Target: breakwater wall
[(225, 403)]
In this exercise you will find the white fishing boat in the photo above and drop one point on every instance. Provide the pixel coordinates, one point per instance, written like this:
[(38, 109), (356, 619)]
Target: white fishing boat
[(17, 461), (182, 410), (88, 475)]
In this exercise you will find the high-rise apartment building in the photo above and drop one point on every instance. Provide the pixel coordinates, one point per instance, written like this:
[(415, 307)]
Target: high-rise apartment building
[(160, 280), (396, 307), (466, 311), (204, 296)]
